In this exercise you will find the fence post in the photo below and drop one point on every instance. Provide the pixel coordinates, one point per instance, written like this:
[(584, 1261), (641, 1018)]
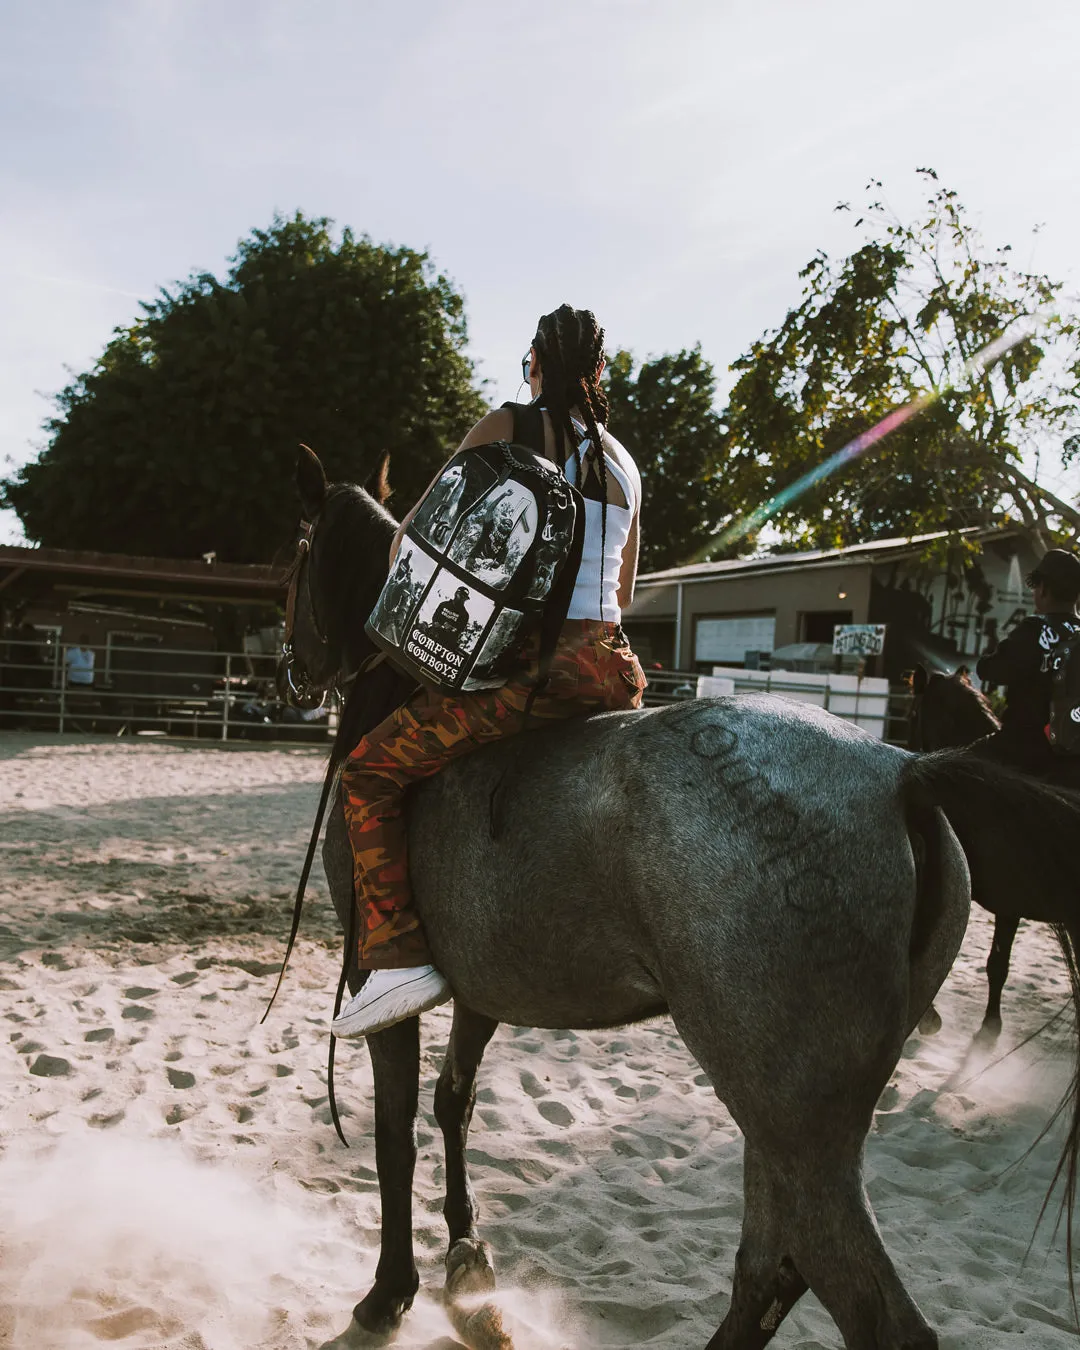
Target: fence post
[(63, 691), (228, 689)]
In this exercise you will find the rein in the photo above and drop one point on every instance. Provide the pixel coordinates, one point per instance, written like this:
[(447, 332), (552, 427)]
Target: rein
[(338, 754), (304, 692)]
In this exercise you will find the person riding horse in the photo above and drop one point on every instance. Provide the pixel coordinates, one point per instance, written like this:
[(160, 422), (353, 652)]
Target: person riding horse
[(1022, 663), (592, 669)]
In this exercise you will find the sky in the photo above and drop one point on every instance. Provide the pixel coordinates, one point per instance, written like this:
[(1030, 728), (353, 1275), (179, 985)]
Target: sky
[(670, 164)]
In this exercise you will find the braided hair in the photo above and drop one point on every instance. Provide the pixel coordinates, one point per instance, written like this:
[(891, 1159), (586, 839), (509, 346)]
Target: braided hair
[(569, 344)]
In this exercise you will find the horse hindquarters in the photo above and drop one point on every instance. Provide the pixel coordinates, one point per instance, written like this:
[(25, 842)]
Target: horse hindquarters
[(800, 1036)]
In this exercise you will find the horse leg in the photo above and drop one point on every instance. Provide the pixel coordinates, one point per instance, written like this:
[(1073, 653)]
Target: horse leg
[(766, 1285), (468, 1260), (455, 1096), (997, 968), (395, 1059), (836, 1245)]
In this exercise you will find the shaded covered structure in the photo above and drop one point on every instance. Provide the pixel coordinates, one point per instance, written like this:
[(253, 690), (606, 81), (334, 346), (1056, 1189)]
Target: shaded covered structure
[(172, 639)]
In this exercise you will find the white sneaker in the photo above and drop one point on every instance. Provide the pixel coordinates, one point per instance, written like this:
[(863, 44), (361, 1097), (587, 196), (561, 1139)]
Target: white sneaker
[(389, 996)]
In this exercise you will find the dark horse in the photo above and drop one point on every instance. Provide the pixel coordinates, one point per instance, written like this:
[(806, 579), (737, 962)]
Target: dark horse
[(792, 891), (948, 711)]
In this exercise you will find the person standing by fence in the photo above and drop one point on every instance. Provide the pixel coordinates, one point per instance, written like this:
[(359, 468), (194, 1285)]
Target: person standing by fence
[(79, 663)]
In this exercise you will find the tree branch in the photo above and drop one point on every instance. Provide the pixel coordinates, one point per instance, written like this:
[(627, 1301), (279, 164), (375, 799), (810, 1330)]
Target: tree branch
[(1037, 491)]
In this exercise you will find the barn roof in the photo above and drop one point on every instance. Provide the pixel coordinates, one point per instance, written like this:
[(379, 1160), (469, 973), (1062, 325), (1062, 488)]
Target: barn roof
[(56, 569), (879, 550)]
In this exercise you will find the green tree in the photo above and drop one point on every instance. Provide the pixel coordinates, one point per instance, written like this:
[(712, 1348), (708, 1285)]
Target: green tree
[(664, 414), (905, 318), (183, 437)]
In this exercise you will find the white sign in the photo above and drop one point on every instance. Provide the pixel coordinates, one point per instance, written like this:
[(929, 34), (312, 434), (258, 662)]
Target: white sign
[(858, 639), (730, 639)]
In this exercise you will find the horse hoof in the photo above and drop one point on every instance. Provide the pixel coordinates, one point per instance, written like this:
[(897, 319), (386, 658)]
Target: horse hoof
[(469, 1268), (930, 1022), (989, 1031), (377, 1318), (469, 1277)]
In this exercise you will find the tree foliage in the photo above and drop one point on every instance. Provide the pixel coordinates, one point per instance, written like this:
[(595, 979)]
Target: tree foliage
[(664, 414), (183, 437), (904, 318)]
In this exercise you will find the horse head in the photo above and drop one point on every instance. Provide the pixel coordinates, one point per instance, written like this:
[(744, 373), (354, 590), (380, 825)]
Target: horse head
[(341, 563), (947, 710)]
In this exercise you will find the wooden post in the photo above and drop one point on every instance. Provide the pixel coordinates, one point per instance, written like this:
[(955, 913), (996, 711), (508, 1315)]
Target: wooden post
[(228, 689), (63, 690)]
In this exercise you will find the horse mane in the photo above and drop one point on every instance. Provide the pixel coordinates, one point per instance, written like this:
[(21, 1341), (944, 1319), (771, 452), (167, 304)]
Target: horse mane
[(355, 532), (964, 695)]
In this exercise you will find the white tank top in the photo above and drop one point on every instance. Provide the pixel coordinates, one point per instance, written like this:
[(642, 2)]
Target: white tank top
[(596, 591)]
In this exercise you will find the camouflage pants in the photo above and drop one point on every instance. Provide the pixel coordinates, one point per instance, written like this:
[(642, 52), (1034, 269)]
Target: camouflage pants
[(593, 669)]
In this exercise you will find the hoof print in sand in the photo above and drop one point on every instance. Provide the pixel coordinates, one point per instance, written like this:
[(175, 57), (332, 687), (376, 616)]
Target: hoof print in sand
[(106, 1122), (555, 1113), (50, 1066)]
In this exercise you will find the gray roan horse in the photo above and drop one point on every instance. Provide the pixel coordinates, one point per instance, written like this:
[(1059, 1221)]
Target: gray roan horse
[(791, 891)]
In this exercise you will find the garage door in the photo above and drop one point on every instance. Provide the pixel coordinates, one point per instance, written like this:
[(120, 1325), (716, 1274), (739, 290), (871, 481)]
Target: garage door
[(728, 640)]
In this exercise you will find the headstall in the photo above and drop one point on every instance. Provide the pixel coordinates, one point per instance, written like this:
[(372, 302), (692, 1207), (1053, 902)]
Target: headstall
[(305, 693)]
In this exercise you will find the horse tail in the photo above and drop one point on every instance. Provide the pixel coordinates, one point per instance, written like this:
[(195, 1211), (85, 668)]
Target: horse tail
[(1019, 835)]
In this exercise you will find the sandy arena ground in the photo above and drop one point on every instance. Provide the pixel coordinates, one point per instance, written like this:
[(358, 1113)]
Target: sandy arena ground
[(169, 1176)]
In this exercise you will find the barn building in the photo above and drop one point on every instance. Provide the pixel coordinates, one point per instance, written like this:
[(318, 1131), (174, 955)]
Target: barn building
[(943, 598)]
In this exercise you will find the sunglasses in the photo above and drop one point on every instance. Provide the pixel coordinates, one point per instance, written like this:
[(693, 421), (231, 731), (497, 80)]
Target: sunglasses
[(526, 362)]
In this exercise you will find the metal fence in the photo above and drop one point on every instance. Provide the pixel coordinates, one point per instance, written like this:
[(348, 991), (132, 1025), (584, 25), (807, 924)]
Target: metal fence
[(673, 686), (146, 689)]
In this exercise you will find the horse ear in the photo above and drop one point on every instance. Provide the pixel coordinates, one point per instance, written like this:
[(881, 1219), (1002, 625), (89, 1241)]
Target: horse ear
[(378, 483), (919, 679), (310, 482)]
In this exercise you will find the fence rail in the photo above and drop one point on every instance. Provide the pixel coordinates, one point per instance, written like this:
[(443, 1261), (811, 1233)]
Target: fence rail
[(673, 686), (151, 690)]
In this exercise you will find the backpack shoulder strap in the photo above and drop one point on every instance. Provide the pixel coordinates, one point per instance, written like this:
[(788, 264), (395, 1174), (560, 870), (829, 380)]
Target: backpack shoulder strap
[(528, 426)]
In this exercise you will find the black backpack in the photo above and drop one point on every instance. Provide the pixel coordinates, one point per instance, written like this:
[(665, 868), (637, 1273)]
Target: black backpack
[(489, 560), (1064, 666)]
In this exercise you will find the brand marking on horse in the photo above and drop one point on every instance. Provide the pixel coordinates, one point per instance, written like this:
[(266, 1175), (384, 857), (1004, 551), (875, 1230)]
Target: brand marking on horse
[(782, 829)]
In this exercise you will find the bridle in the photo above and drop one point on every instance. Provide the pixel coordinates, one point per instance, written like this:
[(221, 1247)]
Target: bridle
[(303, 689)]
